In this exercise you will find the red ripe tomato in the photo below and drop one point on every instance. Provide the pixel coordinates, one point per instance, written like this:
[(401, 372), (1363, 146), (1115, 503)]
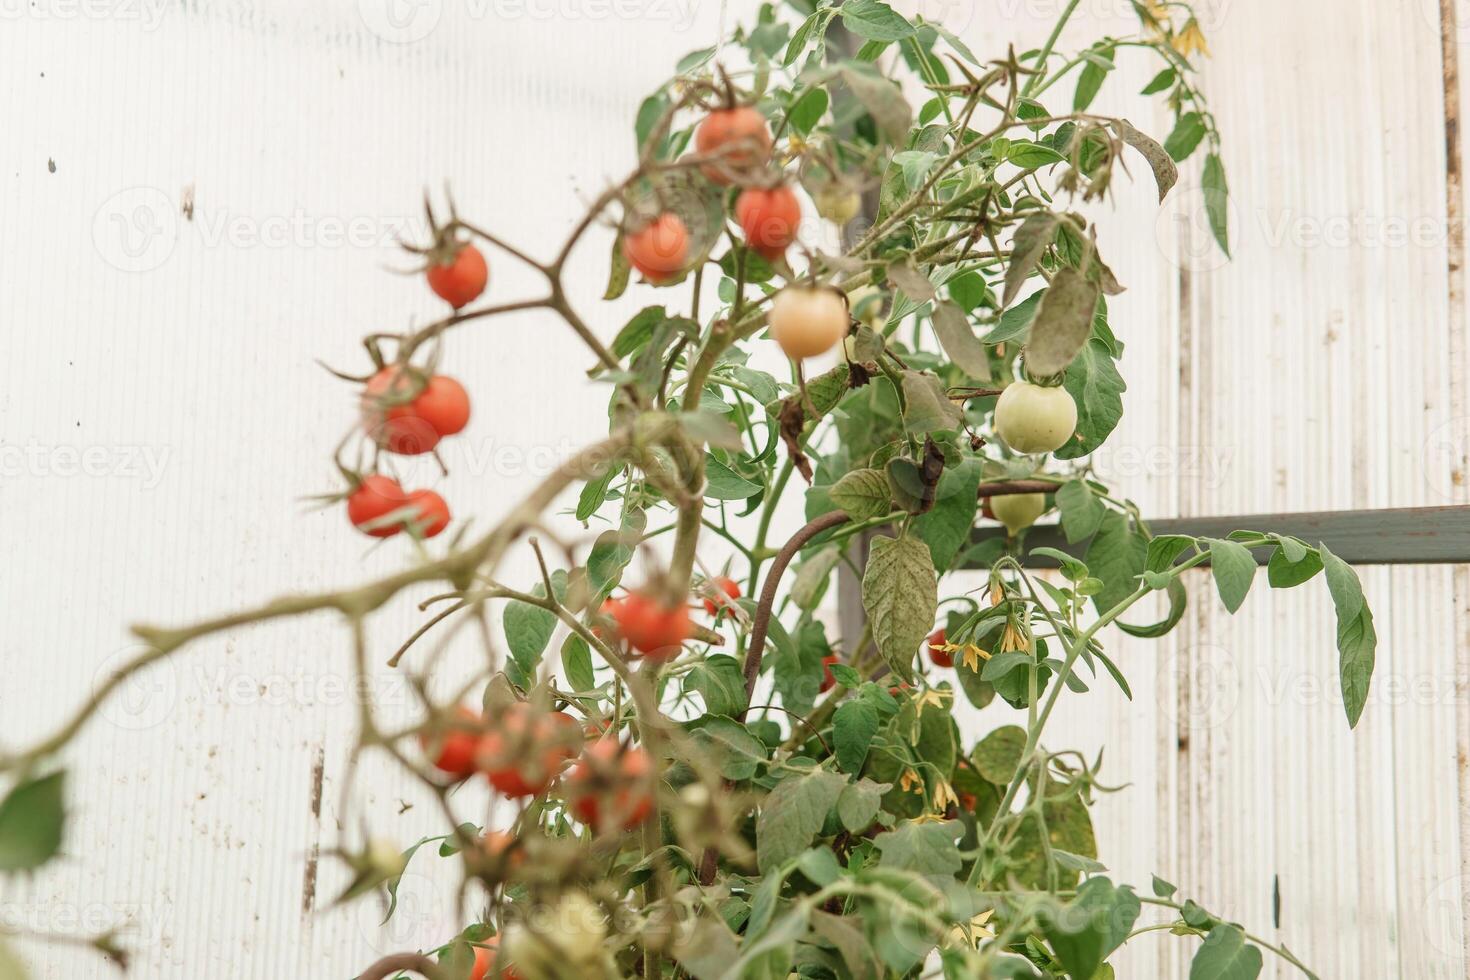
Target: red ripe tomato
[(374, 499), (828, 681), (653, 629), (444, 404), (611, 786), (525, 749), (453, 748), (769, 219), (743, 131), (460, 279), (660, 249), (898, 690), (937, 653), (430, 514), (485, 956), (726, 585)]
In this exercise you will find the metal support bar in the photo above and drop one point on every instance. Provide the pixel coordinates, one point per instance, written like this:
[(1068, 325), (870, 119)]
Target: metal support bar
[(1405, 536)]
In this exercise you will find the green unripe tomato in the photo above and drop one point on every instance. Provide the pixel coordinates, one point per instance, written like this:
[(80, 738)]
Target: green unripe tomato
[(1018, 511), (1032, 419), (838, 204)]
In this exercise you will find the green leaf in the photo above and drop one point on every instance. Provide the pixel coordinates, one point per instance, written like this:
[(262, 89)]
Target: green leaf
[(1225, 956), (1116, 555), (1096, 386), (32, 817), (874, 20), (808, 110), (960, 344), (1188, 132), (809, 584), (853, 726), (1217, 200), (927, 407), (1234, 568), (619, 272), (594, 494), (1089, 83), (1082, 510), (1284, 573), (881, 97), (576, 664), (1357, 641), (946, 528), (722, 684), (708, 949), (1063, 323), (999, 753), (1178, 602), (1028, 245), (738, 752), (792, 814), (638, 331), (900, 596), (1161, 81), (863, 494), (528, 629), (811, 27), (1016, 321), (858, 804), (927, 849), (1088, 929), (1030, 156), (612, 551), (723, 483), (1162, 888), (846, 934)]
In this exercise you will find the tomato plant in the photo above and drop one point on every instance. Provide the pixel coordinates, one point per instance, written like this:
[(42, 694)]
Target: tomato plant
[(752, 804)]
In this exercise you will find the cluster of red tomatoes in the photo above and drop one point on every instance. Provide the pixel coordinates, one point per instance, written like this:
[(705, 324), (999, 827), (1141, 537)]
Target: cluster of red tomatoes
[(805, 321), (407, 412), (523, 751)]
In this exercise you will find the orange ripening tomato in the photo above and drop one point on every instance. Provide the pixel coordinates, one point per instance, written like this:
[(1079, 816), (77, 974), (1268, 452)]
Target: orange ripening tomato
[(937, 653), (769, 218), (807, 321), (660, 249), (727, 585), (461, 279), (653, 629), (453, 748), (744, 136), (374, 499), (429, 513), (526, 749), (611, 786)]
